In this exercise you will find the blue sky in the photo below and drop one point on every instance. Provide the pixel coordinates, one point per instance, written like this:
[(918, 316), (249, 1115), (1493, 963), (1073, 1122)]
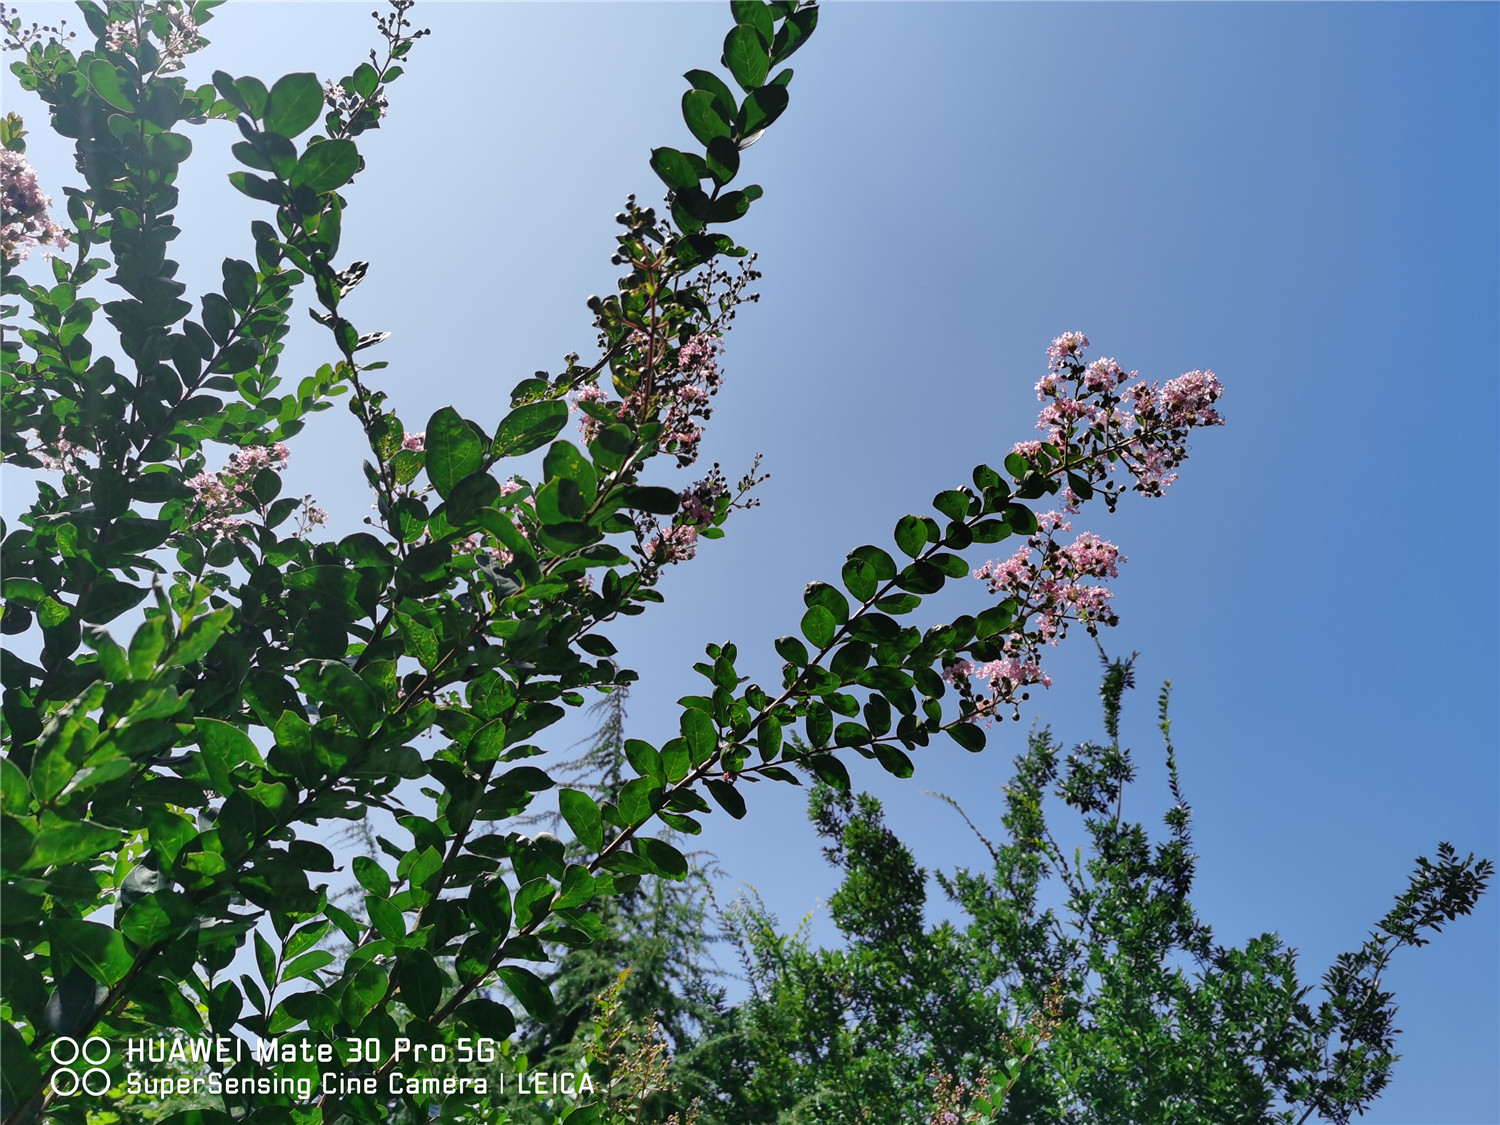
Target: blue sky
[(1301, 197)]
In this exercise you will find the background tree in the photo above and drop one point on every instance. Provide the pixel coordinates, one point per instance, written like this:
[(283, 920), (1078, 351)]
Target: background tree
[(161, 792), (1155, 1020)]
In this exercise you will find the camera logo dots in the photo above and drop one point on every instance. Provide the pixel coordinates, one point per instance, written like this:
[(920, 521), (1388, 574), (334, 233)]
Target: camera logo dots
[(80, 1066)]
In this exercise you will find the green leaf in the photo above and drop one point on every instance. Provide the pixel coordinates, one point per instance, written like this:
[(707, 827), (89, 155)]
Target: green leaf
[(422, 982), (664, 859), (644, 759), (968, 735), (307, 965), (534, 899), (564, 461), (490, 906), (332, 683), (455, 448), (528, 988), (990, 531), (953, 504), (224, 746), (724, 163), (821, 593), (819, 627), (921, 578), (577, 888), (793, 651), (859, 579), (386, 917), (829, 770), (155, 917), (365, 990), (674, 760), (768, 738), (702, 737), (94, 948), (372, 877), (525, 428), (295, 103), (106, 81), (793, 33), (327, 166), (107, 598), (756, 14), (19, 1077), (761, 108), (15, 794), (583, 817), (700, 111), (728, 797), (651, 498), (1020, 518), (61, 842), (488, 1017), (992, 620), (819, 724), (673, 168), (911, 535), (723, 97), (746, 55), (639, 798), (894, 761)]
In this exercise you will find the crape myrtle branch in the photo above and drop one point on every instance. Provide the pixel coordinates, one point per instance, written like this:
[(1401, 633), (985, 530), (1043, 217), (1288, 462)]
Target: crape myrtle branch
[(304, 191), (342, 732), (707, 747)]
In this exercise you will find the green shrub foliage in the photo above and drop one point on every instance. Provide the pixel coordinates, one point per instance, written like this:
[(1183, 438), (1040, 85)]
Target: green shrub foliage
[(197, 676)]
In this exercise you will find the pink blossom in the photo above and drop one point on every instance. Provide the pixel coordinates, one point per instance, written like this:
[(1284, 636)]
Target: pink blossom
[(1188, 400), (675, 544), (590, 426), (415, 443), (1103, 374), (66, 451), (1068, 346), (957, 671), (510, 486), (694, 511), (1027, 449), (1093, 556), (24, 221), (1016, 672), (700, 356)]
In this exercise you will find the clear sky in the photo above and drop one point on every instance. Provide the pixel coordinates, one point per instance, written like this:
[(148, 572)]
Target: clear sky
[(1303, 198)]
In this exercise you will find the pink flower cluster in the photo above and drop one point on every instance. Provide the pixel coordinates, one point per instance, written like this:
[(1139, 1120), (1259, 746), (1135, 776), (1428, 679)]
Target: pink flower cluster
[(414, 443), (1049, 586), (24, 221), (66, 451), (683, 383), (1047, 580), (696, 381), (225, 494), (475, 543), (181, 39), (701, 500), (1094, 422), (673, 545), (590, 426)]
